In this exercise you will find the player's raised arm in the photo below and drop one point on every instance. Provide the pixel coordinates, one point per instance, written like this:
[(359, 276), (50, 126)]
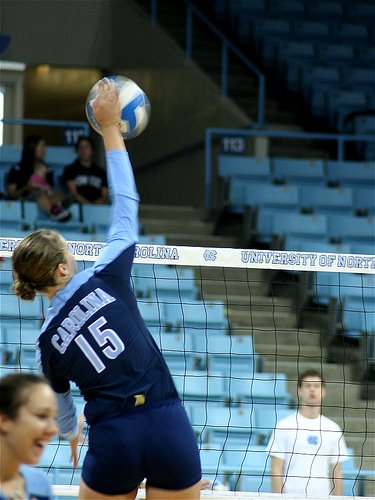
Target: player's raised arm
[(106, 109)]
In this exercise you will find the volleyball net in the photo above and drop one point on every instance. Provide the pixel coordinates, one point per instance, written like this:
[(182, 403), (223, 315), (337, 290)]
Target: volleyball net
[(236, 327)]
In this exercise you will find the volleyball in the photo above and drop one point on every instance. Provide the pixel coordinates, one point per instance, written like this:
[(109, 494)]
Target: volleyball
[(135, 107)]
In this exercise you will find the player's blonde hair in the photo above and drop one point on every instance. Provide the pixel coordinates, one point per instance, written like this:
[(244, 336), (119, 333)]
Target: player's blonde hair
[(35, 260)]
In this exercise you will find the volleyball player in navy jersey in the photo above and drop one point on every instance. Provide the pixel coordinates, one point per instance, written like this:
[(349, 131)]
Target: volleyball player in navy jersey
[(94, 335)]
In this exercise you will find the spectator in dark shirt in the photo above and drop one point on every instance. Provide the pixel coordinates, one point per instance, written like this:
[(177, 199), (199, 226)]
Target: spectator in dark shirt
[(32, 179), (85, 180)]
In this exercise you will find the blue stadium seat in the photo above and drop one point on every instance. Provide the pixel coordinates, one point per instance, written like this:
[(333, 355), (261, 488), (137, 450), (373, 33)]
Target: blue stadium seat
[(215, 423), (358, 315), (9, 156), (11, 232), (240, 19), (96, 217), (364, 199), (13, 307), (253, 460), (314, 82), (244, 167), (310, 30), (10, 213), (342, 286), (325, 199), (196, 386), (361, 11), (212, 462), (260, 482), (3, 181), (60, 156), (300, 244), (177, 350), (355, 34), (235, 196), (27, 357), (305, 225), (6, 280), (358, 78), (266, 418), (365, 56), (325, 10), (351, 173), (153, 315), (168, 284), (363, 248), (286, 8), (351, 229), (152, 239), (262, 388), (298, 170), (335, 55), (339, 104), (267, 32), (252, 469), (271, 195), (196, 316), (226, 353), (291, 57), (353, 477)]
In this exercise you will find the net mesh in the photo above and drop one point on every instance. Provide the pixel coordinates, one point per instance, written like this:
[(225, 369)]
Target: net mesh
[(237, 327)]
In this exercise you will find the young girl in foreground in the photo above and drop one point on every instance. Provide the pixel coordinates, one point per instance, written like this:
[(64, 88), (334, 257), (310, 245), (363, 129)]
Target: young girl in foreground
[(27, 423)]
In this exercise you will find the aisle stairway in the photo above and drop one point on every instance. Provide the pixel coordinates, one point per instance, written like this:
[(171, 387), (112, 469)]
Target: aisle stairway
[(242, 85), (273, 323)]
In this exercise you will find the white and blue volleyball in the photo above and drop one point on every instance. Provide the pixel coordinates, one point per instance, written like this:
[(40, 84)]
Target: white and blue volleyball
[(135, 107)]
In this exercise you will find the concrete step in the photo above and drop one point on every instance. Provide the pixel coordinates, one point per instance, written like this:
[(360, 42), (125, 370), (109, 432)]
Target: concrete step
[(209, 241), (162, 226), (251, 319), (291, 352), (252, 300), (228, 290), (169, 212), (292, 336), (266, 305)]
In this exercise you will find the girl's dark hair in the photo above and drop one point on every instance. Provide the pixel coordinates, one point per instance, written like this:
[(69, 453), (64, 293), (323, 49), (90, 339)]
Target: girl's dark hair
[(28, 151), (15, 391), (35, 260)]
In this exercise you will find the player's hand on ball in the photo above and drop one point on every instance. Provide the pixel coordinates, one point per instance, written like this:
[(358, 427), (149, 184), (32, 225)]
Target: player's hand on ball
[(106, 105)]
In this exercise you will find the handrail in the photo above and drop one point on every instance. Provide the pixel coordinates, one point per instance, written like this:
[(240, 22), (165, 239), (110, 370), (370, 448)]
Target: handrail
[(48, 123), (211, 132), (227, 46)]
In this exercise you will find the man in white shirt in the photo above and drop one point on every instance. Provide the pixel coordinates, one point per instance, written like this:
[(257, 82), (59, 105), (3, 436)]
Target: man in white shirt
[(307, 448)]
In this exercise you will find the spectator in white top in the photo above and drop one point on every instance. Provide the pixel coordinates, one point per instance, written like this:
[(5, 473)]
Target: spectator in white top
[(307, 448)]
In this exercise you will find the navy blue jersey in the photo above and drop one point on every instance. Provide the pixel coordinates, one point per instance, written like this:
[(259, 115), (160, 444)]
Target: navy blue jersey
[(94, 334)]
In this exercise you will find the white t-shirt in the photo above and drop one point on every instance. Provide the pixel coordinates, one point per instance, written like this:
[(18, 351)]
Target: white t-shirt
[(308, 447)]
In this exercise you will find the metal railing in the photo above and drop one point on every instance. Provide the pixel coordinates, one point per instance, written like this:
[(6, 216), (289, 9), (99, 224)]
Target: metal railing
[(227, 48)]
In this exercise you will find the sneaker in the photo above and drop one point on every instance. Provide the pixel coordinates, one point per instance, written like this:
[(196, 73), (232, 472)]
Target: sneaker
[(59, 214)]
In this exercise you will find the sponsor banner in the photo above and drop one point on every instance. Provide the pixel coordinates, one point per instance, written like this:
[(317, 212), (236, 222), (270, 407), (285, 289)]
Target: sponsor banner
[(223, 257)]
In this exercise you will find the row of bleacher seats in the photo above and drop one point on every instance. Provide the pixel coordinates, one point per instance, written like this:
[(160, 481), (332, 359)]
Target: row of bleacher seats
[(243, 17), (325, 201), (297, 170), (350, 10), (324, 50), (84, 217)]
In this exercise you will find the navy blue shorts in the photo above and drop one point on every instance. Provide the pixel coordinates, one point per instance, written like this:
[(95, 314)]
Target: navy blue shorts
[(154, 442)]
